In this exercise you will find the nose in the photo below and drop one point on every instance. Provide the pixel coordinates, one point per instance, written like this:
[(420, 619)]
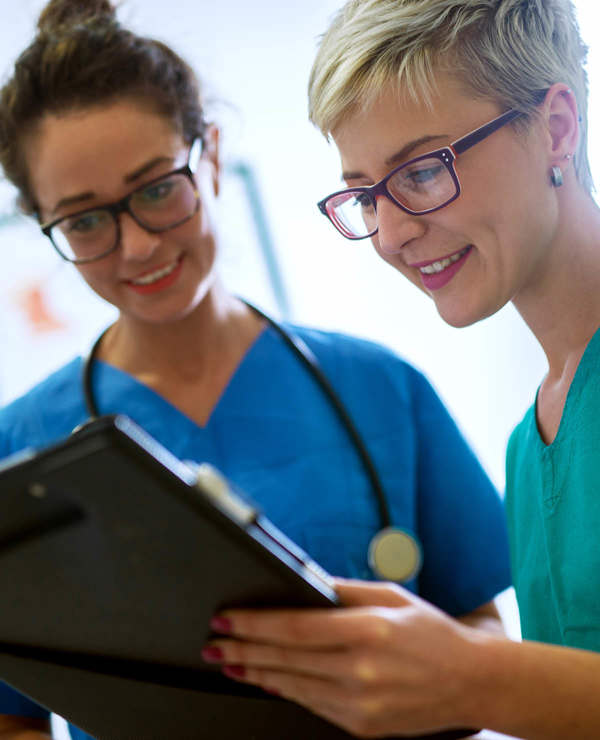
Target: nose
[(137, 243), (395, 227)]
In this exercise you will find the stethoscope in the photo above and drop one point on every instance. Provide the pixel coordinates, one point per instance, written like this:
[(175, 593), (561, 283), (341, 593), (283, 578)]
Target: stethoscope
[(394, 554)]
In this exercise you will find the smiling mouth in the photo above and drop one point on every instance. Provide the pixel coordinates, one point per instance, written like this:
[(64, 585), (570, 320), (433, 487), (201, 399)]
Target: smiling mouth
[(441, 265), (152, 277)]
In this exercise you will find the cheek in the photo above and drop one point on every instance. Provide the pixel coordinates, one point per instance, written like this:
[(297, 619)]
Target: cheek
[(199, 234), (96, 275), (208, 208), (198, 239), (207, 221)]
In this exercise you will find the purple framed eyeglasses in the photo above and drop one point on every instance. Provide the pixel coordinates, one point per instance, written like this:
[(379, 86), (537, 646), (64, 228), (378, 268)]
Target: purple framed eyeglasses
[(421, 185)]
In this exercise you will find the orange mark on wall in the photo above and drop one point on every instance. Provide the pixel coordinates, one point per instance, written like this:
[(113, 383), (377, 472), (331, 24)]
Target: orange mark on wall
[(39, 315)]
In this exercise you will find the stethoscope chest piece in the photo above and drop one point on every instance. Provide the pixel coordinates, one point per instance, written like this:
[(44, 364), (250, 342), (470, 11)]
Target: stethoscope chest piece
[(395, 555)]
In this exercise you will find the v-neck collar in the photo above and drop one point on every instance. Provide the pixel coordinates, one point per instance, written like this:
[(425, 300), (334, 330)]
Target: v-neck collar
[(575, 389), (112, 382)]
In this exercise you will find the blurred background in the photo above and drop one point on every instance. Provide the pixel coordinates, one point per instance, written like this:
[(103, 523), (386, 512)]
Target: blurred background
[(278, 250)]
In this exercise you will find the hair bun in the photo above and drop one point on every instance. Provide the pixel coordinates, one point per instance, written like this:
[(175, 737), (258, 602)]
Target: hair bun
[(61, 13)]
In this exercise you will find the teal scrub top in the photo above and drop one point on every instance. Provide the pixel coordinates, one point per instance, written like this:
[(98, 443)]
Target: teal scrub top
[(275, 435), (553, 509)]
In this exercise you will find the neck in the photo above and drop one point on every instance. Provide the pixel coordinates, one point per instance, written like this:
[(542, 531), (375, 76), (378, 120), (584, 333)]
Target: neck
[(562, 304), (190, 347)]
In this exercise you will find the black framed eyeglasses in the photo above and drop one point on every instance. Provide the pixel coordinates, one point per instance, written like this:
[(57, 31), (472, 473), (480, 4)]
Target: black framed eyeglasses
[(158, 205), (421, 185)]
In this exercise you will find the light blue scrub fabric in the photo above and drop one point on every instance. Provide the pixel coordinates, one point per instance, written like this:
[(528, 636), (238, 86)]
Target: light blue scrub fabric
[(274, 433)]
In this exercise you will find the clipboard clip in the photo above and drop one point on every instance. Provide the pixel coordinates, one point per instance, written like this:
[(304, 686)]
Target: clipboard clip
[(211, 483)]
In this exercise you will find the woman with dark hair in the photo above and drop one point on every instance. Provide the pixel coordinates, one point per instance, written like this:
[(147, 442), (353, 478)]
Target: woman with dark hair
[(104, 135)]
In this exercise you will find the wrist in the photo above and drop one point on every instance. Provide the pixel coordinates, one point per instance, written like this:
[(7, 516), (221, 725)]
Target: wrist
[(485, 673)]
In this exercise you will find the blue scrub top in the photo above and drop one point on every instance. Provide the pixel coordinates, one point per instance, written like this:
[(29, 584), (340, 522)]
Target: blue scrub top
[(274, 433)]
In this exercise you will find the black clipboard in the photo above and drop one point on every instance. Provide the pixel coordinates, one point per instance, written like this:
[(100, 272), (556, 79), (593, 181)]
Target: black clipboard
[(114, 555)]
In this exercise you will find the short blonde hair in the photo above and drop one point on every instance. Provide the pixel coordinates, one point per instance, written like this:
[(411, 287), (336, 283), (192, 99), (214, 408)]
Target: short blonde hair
[(509, 51)]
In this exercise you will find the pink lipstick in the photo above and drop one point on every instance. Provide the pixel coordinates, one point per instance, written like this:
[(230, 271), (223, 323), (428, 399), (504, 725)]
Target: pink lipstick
[(437, 280)]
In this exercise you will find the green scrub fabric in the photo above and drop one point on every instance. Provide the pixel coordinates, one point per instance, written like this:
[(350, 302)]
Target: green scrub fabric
[(553, 508)]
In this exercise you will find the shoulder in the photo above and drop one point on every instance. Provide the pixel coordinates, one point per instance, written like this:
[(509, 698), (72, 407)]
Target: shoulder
[(356, 361), (45, 413), (343, 345)]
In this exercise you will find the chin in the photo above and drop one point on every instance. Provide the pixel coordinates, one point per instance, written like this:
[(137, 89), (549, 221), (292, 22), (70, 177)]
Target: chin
[(460, 322), (161, 314), (460, 316)]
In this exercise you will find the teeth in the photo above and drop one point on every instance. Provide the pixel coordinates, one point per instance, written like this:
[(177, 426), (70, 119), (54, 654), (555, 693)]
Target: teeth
[(442, 264), (156, 275)]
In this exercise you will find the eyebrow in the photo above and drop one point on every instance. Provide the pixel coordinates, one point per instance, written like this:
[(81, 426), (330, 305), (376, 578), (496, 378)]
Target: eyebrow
[(130, 177), (400, 156)]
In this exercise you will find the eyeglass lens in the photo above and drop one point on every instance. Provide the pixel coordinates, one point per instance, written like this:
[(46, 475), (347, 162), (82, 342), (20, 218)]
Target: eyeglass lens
[(161, 205), (419, 186)]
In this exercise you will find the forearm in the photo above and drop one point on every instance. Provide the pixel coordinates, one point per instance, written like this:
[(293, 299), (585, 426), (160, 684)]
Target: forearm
[(532, 690)]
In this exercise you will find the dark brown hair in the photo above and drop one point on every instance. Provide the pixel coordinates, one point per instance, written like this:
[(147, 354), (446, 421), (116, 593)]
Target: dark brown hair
[(82, 57)]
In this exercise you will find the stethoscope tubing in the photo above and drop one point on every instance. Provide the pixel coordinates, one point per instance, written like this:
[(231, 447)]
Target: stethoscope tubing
[(307, 357)]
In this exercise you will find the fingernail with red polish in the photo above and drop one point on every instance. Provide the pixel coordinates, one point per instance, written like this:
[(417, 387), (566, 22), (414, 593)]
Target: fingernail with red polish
[(234, 671), (221, 624), (212, 654)]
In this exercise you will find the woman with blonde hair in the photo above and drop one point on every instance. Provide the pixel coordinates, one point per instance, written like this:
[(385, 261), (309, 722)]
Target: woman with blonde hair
[(461, 127)]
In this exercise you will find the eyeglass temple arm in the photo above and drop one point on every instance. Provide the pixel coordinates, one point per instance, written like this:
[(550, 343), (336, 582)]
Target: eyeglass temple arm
[(196, 151), (466, 142)]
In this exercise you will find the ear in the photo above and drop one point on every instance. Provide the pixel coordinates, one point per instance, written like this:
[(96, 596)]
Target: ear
[(561, 118), (212, 154)]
